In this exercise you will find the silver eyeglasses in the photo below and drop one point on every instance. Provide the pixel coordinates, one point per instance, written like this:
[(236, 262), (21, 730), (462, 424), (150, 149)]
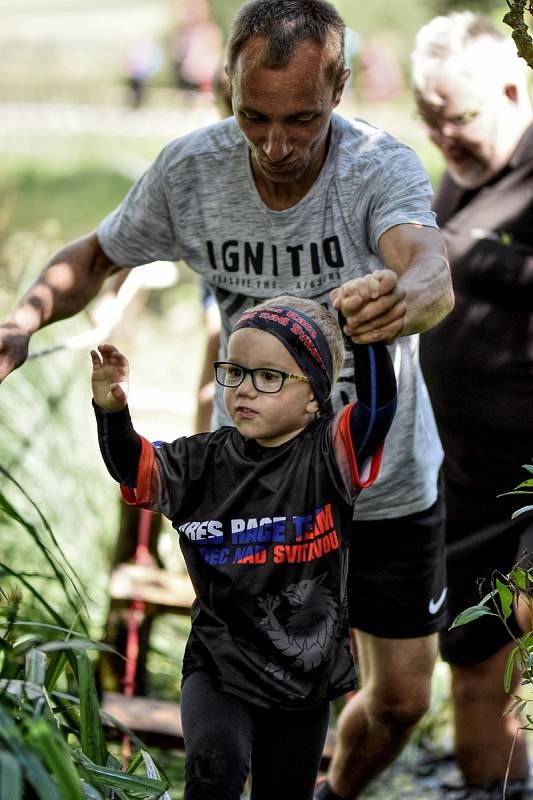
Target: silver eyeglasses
[(264, 379)]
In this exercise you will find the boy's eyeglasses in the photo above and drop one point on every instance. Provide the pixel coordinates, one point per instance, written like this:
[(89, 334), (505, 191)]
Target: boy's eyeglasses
[(264, 380)]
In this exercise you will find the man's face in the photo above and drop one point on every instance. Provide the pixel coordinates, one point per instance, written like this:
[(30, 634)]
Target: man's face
[(470, 127), (285, 113)]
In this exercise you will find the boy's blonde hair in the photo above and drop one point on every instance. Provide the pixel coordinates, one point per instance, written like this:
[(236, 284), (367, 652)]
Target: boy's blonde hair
[(325, 321)]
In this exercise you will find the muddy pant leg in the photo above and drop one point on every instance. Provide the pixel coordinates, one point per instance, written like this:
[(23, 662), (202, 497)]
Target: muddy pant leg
[(218, 736)]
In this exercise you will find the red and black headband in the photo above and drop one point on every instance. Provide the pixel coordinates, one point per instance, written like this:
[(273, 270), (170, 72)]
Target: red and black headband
[(303, 339)]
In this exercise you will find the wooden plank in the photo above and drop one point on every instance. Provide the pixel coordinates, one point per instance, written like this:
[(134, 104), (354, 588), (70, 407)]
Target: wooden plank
[(154, 721), (158, 722), (167, 590)]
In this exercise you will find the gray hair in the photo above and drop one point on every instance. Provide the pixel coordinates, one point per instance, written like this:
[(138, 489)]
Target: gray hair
[(285, 24), (469, 40), (325, 321)]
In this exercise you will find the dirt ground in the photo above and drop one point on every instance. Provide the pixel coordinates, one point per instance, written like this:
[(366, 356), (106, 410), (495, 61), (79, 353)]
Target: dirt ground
[(421, 775)]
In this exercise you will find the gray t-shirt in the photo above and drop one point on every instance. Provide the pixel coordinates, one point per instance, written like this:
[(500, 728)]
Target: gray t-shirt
[(198, 203)]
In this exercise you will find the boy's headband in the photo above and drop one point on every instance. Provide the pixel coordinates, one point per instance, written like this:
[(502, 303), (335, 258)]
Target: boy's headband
[(303, 339)]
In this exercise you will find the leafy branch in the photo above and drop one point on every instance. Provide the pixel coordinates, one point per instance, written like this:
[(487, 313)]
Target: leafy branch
[(520, 32)]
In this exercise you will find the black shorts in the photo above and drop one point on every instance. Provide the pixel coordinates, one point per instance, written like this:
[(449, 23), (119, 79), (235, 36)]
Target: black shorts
[(397, 575), (473, 558)]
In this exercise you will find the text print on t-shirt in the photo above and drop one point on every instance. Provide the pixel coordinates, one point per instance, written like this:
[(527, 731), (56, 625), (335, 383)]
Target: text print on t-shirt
[(278, 539), (241, 263)]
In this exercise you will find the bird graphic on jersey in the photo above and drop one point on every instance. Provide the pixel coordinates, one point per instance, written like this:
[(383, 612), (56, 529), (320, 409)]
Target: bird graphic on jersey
[(309, 627)]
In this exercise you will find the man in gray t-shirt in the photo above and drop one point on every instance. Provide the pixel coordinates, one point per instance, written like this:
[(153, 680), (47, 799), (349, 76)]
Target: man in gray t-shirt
[(288, 197)]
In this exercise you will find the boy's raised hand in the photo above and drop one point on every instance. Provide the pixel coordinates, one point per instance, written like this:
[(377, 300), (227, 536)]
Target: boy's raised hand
[(110, 378), (369, 290)]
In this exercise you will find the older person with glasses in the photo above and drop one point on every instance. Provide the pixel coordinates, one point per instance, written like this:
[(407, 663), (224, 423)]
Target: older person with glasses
[(471, 93)]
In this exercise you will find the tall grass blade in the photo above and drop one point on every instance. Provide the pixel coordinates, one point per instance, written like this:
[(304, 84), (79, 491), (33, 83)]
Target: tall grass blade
[(68, 567), (34, 772), (131, 785), (35, 670), (53, 614), (91, 732), (64, 580), (56, 754), (152, 771), (90, 792), (75, 701), (10, 777)]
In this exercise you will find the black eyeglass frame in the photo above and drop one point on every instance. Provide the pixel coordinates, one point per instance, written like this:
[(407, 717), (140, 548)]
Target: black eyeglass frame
[(251, 372)]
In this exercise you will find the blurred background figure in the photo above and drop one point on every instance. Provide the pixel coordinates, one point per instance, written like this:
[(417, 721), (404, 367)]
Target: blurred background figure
[(196, 48), (380, 74), (221, 91), (206, 387), (472, 96), (143, 61)]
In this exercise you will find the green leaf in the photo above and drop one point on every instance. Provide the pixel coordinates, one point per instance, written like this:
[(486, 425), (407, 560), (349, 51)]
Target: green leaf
[(132, 785), (525, 484), (34, 592), (521, 707), (489, 596), (10, 777), (513, 706), (75, 644), (135, 761), (90, 792), (529, 467), (509, 669), (32, 768), (91, 732), (471, 614), (114, 763), (506, 598), (35, 670), (526, 641), (116, 723), (56, 667), (518, 577), (152, 771), (64, 579), (58, 757), (520, 511)]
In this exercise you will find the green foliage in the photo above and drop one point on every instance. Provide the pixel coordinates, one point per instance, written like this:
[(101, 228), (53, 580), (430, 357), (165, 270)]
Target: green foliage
[(516, 20), (52, 744), (508, 590), (223, 12), (471, 614), (78, 194), (526, 487)]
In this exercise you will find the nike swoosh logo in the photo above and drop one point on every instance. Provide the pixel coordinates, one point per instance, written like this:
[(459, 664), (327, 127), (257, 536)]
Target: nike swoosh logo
[(436, 605)]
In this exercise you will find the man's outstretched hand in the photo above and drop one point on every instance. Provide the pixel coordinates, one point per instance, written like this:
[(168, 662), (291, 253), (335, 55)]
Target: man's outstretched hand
[(110, 378), (373, 305), (13, 348)]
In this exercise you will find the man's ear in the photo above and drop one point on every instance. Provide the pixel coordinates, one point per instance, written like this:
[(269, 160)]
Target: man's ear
[(339, 88), (511, 92)]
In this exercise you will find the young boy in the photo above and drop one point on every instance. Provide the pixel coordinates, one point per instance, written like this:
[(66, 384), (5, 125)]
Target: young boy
[(263, 510)]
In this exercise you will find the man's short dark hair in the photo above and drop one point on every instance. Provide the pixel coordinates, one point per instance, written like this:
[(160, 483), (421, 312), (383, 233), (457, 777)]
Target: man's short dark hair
[(285, 24)]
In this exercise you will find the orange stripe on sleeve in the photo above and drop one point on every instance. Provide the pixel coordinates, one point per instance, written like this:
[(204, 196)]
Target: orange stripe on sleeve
[(375, 460), (142, 495)]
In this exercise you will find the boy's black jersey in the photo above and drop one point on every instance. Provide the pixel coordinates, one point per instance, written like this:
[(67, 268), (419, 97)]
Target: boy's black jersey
[(261, 530), (265, 534)]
